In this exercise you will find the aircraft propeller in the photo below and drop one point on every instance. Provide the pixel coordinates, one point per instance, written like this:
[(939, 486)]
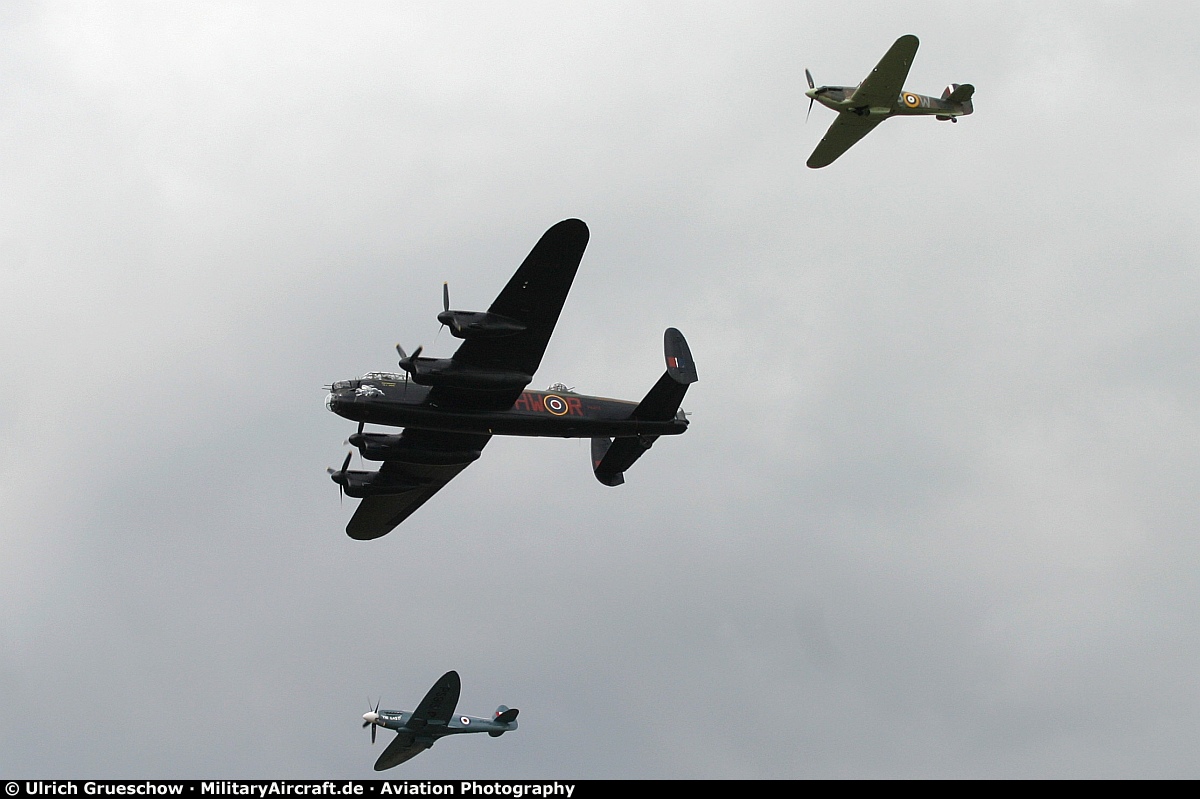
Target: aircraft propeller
[(339, 475), (409, 362), (372, 719), (445, 314), (349, 442), (811, 85)]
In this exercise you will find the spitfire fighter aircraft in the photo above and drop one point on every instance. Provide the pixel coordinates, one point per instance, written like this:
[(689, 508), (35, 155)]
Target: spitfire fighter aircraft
[(433, 719), (451, 407), (880, 95)]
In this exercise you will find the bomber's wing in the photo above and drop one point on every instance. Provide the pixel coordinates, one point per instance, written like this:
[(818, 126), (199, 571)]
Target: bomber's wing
[(437, 708), (405, 746), (847, 129), (379, 514), (534, 296), (881, 89)]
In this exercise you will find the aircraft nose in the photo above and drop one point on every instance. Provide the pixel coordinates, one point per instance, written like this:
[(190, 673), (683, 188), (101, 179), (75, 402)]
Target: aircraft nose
[(371, 717)]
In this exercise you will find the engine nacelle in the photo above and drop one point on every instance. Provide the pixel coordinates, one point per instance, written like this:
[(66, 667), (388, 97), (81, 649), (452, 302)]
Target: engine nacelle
[(476, 324), (361, 485), (385, 447), (445, 372)]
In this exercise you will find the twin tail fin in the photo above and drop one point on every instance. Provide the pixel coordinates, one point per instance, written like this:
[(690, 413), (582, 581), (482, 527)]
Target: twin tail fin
[(611, 457)]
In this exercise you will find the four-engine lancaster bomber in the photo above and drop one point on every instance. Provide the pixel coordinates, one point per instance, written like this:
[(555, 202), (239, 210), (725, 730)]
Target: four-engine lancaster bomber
[(880, 95), (451, 407), (433, 719)]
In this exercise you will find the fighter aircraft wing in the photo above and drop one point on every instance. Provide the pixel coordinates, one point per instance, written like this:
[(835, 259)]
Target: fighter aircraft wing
[(438, 705), (379, 514), (881, 89), (533, 297), (847, 129), (405, 746)]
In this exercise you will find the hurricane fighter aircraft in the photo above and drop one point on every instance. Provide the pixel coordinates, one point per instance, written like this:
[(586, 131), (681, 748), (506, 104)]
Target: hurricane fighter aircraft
[(433, 719), (880, 95), (451, 407)]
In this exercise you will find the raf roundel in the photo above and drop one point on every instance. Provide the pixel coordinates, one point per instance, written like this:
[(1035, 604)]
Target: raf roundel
[(466, 722), (555, 404), (911, 100)]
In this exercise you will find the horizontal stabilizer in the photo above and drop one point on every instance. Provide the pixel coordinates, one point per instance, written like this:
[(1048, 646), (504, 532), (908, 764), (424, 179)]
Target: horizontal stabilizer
[(662, 401), (504, 715), (617, 456), (961, 94), (600, 447)]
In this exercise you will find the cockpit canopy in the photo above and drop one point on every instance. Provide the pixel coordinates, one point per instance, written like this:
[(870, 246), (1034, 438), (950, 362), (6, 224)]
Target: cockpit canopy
[(381, 377)]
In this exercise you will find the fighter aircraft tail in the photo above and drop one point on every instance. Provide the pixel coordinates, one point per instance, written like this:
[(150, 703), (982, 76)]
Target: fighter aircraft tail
[(610, 458), (504, 715), (960, 94)]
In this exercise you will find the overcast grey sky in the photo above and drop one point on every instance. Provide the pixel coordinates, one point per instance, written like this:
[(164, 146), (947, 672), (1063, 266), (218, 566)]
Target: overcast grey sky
[(936, 515)]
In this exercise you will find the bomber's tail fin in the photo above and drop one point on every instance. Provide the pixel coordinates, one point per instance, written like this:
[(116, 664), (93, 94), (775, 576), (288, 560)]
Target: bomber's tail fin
[(662, 402), (504, 715), (610, 458), (680, 365)]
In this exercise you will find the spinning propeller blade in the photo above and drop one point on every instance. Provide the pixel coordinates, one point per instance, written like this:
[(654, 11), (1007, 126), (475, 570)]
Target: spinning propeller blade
[(375, 722), (349, 442), (339, 475), (811, 85), (409, 362), (445, 314)]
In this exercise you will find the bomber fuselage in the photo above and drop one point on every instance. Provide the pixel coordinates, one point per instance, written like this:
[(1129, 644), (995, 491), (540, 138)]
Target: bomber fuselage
[(389, 399)]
